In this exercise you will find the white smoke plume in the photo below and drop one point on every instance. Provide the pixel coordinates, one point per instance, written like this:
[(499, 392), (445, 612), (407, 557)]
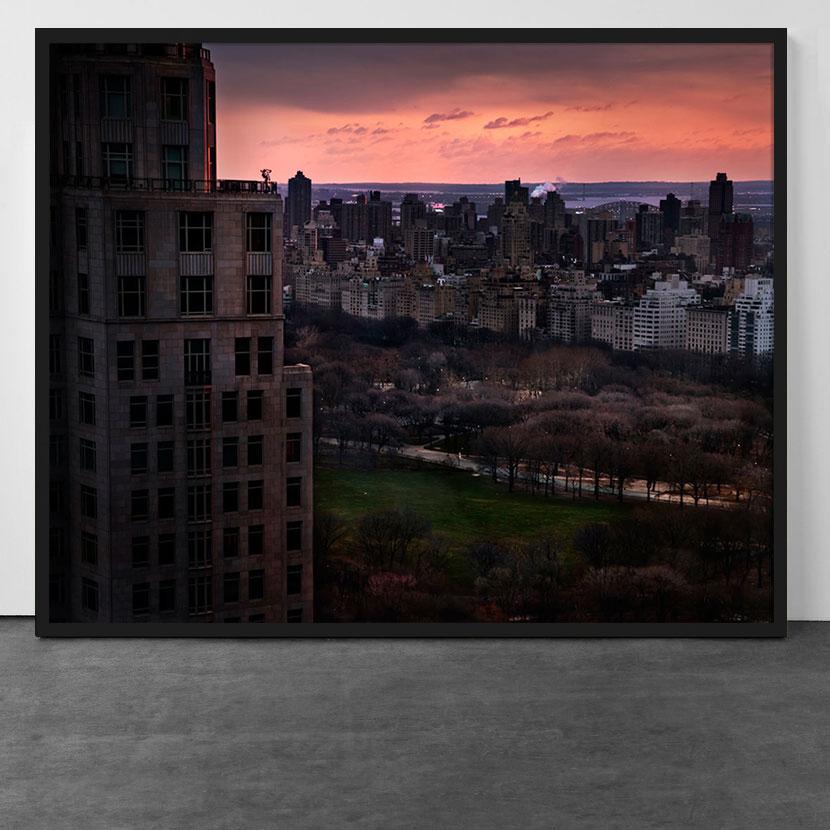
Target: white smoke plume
[(547, 187)]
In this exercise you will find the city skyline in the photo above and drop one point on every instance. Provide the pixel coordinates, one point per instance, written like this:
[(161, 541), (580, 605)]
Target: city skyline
[(464, 113)]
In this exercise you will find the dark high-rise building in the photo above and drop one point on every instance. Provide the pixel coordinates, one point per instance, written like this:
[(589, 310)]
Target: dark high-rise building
[(670, 208), (298, 204), (735, 240), (413, 212), (649, 227), (514, 192), (554, 210), (495, 212), (181, 443), (379, 217), (720, 202)]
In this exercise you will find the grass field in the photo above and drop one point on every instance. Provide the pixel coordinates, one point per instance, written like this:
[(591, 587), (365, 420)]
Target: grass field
[(460, 506)]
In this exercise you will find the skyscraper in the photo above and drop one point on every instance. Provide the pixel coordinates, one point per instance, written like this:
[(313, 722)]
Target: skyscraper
[(180, 444), (514, 192), (720, 205), (670, 208), (298, 206)]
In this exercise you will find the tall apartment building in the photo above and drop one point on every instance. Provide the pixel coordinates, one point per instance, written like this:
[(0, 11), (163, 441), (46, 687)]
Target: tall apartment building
[(708, 329), (180, 463), (515, 235), (298, 207), (660, 315), (569, 311), (753, 322), (612, 322)]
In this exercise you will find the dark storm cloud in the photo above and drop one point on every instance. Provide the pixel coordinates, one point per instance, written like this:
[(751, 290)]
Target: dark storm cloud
[(381, 77)]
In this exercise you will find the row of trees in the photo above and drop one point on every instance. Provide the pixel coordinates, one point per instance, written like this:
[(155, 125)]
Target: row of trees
[(705, 565)]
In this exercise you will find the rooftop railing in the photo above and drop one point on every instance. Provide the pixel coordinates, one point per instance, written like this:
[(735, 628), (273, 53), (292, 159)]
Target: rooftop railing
[(219, 186)]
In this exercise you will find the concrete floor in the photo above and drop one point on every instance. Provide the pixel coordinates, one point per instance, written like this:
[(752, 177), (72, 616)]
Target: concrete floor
[(410, 734)]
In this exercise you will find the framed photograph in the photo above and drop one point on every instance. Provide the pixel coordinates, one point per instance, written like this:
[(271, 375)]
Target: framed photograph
[(411, 333)]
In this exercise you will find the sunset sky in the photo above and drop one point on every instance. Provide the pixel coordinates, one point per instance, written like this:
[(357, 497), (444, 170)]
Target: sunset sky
[(484, 113)]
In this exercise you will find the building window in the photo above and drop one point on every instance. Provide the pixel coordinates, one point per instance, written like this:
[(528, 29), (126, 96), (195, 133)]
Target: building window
[(88, 459), (294, 615), (230, 451), (293, 402), (197, 361), (255, 397), (164, 410), (83, 293), (198, 457), (256, 618), (212, 162), (230, 407), (55, 354), (196, 295), (131, 301), (293, 447), (230, 496), (89, 595), (141, 599), (165, 456), (166, 502), (230, 587), (86, 357), (129, 232), (79, 158), (242, 356), (89, 502), (149, 359), (56, 405), (259, 295), (167, 596), (118, 161), (138, 411), (139, 505), (55, 497), (256, 494), (198, 548), (293, 491), (197, 410), (174, 166), (138, 458), (265, 355), (56, 450), (125, 359), (198, 503), (255, 444), (211, 102), (256, 540), (80, 228), (89, 548), (230, 542), (196, 233), (256, 584), (293, 536), (115, 96), (294, 580), (259, 233), (86, 408), (167, 548), (200, 594), (174, 99), (140, 550)]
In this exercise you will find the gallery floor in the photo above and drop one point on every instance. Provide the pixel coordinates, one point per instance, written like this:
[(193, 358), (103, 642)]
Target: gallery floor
[(410, 734)]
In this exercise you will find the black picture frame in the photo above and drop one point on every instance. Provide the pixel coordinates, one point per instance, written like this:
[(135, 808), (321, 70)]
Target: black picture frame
[(777, 38)]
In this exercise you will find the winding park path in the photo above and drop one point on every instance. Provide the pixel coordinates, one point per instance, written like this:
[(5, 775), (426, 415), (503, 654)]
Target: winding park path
[(635, 489)]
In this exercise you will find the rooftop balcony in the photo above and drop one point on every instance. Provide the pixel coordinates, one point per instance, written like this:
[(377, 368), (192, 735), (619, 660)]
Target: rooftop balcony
[(144, 185)]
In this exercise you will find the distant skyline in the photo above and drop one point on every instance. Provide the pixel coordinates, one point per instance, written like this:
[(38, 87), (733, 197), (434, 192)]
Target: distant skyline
[(480, 113)]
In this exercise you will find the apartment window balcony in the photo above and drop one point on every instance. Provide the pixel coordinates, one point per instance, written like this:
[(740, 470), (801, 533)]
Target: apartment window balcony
[(196, 264), (116, 130), (132, 264), (260, 264)]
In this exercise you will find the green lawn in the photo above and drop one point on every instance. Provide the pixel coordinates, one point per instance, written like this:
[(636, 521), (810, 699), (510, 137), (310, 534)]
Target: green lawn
[(459, 505)]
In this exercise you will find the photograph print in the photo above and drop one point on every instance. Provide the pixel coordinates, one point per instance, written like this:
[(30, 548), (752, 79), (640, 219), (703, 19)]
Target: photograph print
[(432, 335)]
